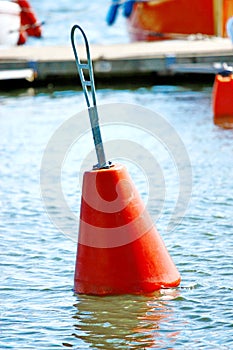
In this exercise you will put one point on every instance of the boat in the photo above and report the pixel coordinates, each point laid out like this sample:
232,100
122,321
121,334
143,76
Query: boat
9,23
173,19
17,22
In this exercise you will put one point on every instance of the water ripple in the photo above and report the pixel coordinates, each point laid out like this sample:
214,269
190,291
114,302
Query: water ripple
38,307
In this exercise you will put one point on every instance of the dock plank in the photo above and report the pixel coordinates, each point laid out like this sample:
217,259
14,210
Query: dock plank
118,60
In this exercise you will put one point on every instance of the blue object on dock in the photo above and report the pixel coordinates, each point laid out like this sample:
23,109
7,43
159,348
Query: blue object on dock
112,12
128,8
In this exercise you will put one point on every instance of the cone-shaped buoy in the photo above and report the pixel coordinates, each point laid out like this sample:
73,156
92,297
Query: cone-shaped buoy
119,249
223,97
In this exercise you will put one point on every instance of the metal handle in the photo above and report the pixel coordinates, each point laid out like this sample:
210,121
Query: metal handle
89,93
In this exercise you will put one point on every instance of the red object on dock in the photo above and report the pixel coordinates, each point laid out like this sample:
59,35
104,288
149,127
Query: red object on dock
119,248
29,23
223,100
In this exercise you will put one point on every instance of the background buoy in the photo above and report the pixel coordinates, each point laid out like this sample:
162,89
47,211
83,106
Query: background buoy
119,249
223,98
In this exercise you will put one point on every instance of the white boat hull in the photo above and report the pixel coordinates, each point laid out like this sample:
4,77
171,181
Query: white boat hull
9,23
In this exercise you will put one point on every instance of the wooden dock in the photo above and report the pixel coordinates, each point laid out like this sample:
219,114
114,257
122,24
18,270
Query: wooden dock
43,64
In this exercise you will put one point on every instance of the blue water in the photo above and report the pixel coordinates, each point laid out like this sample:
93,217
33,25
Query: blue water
59,17
38,309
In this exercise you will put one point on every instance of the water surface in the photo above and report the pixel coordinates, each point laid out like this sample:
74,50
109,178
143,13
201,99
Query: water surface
38,307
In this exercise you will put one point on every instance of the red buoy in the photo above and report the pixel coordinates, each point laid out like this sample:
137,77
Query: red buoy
223,99
119,249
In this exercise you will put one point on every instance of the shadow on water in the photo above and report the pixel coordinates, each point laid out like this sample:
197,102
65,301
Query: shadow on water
124,82
125,322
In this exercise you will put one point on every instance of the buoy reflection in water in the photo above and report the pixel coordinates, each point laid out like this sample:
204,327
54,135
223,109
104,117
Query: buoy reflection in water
125,322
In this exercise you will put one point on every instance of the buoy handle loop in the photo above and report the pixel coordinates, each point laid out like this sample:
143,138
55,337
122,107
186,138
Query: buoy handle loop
84,66
90,96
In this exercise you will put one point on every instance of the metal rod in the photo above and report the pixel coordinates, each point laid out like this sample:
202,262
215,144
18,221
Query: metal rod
90,97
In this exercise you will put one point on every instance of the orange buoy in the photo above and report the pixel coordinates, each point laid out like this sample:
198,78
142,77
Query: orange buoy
29,22
119,249
223,98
